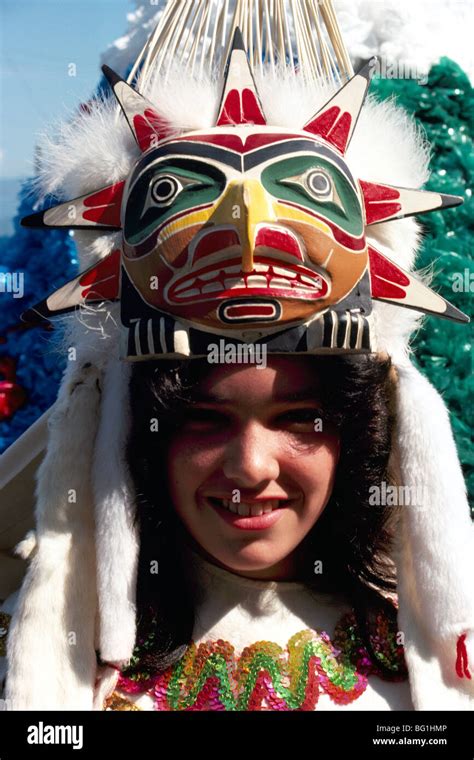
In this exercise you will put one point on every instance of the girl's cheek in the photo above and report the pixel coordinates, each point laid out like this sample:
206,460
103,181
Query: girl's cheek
317,468
313,451
186,454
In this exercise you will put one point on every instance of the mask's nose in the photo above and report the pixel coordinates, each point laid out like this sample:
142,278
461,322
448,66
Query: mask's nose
246,205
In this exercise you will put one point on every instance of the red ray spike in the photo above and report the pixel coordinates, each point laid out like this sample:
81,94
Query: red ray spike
334,126
386,202
336,121
100,209
240,103
103,207
391,283
147,126
101,282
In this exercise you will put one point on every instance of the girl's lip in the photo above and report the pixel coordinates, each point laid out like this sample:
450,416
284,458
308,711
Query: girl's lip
246,500
260,522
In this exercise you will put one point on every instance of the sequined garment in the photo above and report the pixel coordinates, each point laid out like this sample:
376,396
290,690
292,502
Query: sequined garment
210,676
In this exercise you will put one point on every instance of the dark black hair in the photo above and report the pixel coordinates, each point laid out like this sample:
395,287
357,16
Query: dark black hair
353,538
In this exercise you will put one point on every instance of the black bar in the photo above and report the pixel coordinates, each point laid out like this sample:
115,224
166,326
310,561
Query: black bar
152,734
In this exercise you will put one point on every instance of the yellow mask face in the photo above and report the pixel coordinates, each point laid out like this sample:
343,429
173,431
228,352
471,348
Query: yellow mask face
245,226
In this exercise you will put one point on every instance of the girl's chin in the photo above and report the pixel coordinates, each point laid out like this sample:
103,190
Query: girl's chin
257,564
254,557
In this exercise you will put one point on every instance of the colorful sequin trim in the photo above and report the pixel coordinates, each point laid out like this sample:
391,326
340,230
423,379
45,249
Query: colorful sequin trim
116,702
266,677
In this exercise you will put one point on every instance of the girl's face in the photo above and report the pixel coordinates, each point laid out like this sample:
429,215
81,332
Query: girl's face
253,465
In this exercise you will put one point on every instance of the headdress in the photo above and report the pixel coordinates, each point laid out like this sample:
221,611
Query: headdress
249,229
244,230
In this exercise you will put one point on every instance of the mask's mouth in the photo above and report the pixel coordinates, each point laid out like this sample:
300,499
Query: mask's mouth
271,277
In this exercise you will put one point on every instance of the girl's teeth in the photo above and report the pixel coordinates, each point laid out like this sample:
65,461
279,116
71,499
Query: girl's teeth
253,510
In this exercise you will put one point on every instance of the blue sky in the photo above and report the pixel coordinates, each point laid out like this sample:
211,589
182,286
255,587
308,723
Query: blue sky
38,41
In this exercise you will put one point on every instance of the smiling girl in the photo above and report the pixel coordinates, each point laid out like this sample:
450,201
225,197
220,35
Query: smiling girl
253,503
205,536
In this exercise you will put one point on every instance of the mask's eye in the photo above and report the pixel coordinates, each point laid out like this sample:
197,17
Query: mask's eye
317,183
320,184
165,189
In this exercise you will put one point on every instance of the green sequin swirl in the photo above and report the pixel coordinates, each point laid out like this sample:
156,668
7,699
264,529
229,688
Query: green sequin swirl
265,676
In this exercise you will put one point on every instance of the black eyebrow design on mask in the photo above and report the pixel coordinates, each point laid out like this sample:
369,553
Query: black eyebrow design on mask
296,146
248,161
195,150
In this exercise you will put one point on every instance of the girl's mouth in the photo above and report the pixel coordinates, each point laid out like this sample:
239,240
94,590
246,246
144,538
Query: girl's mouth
244,509
249,516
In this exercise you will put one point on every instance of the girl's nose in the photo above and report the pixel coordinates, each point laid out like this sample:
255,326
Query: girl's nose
251,456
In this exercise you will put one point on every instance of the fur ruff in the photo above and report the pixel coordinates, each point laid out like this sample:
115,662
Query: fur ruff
435,548
54,618
116,539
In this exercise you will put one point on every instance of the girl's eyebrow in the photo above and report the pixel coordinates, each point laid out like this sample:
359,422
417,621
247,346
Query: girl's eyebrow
306,394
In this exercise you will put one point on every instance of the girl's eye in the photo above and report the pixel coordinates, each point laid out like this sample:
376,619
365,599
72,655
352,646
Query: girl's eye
303,420
204,419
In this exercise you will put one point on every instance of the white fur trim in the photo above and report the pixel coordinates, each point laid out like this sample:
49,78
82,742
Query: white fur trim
47,667
105,685
116,538
25,548
436,547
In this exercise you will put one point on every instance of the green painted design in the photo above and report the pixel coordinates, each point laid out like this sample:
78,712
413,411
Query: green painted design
348,215
205,186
